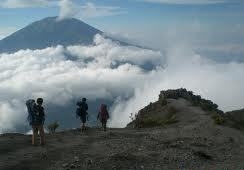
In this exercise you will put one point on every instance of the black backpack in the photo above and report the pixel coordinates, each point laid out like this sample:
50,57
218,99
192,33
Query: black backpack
81,109
78,111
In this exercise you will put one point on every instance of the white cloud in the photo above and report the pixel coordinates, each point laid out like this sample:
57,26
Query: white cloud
221,83
91,10
108,70
68,9
196,2
23,3
46,73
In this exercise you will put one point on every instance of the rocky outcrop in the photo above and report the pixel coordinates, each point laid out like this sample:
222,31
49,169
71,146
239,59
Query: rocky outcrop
237,117
197,100
164,111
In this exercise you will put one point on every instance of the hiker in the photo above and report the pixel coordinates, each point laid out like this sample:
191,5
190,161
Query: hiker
103,116
81,112
36,117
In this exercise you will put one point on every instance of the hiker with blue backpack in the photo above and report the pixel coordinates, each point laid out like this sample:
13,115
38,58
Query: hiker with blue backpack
103,116
81,112
36,118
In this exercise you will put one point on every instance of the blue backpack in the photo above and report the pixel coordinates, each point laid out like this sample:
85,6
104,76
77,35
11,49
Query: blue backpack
30,104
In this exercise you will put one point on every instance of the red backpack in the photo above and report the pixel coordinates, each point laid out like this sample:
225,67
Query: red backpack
103,112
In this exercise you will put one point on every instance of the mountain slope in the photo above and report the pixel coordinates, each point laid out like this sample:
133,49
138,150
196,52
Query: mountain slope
237,116
49,32
189,139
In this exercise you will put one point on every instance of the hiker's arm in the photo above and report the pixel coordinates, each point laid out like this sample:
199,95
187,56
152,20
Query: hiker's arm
43,111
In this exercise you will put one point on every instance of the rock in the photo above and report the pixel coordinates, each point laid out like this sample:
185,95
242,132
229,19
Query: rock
72,166
231,140
76,158
203,155
89,161
65,165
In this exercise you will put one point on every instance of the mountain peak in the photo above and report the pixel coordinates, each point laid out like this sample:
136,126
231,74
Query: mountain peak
49,32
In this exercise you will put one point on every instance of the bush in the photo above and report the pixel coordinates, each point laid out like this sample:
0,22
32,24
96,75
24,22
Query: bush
208,105
218,119
151,122
170,118
52,127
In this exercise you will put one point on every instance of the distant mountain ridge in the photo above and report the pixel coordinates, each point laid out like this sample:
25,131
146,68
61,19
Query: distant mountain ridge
50,32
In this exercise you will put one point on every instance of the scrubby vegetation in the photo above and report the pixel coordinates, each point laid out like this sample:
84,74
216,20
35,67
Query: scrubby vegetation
218,119
142,120
158,121
162,112
237,117
52,127
197,100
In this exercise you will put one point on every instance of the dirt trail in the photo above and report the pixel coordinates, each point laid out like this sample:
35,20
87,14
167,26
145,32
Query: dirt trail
122,149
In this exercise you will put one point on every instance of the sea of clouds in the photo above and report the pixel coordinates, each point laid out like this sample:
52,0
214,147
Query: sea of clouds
108,70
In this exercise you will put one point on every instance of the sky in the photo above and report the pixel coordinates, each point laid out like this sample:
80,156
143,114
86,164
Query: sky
195,44
210,26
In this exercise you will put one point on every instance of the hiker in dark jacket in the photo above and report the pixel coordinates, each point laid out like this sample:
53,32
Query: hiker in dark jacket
103,116
82,112
36,119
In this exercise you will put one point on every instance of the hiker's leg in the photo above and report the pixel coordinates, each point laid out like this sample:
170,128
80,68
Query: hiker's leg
102,126
34,135
105,125
82,127
42,135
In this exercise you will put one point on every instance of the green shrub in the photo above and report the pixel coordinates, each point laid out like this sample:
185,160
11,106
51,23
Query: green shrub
170,118
151,122
52,127
218,119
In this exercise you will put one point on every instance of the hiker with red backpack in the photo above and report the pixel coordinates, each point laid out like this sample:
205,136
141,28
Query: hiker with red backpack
81,112
103,116
36,118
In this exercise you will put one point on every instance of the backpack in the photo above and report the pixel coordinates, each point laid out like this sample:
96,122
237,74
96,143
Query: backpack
81,109
103,112
30,104
78,111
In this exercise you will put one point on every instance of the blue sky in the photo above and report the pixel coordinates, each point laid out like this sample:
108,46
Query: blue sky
200,23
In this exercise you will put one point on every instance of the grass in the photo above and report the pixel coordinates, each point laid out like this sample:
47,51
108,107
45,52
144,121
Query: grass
156,121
